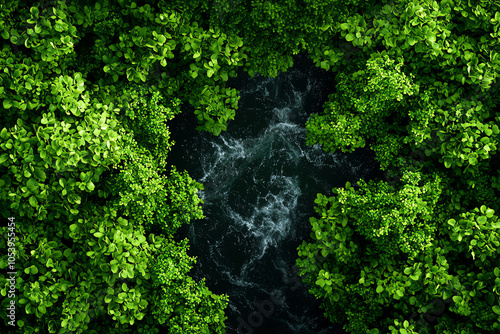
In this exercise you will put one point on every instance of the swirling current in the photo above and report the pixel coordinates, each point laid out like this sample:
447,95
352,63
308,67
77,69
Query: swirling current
260,181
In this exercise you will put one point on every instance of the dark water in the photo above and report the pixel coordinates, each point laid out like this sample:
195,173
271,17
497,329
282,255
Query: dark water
260,184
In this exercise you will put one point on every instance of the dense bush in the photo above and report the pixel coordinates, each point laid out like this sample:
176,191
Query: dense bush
87,95
384,253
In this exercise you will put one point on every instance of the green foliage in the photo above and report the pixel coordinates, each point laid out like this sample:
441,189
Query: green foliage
215,107
402,327
396,220
84,171
46,30
143,192
149,114
216,55
477,230
51,169
350,264
69,267
430,229
360,109
276,30
186,306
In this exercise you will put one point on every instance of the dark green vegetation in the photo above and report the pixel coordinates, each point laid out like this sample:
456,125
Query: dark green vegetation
87,91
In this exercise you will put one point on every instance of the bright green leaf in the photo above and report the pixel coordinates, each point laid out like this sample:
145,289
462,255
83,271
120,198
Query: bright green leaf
33,201
7,103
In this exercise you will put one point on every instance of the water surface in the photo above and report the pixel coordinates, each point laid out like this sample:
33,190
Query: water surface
260,184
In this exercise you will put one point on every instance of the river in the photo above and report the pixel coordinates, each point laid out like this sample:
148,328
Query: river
260,183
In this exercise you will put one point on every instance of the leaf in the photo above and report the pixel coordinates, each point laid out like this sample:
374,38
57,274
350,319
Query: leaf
33,201
496,309
130,271
98,235
344,26
42,309
349,37
3,134
412,41
431,37
446,294
7,103
40,174
4,157
380,288
415,277
482,220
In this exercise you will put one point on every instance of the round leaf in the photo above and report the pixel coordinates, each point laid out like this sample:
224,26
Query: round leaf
7,103
33,201
349,37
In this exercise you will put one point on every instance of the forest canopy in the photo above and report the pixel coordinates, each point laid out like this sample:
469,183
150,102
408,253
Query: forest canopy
93,204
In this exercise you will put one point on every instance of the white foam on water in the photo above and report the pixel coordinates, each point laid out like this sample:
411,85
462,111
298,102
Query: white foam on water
255,182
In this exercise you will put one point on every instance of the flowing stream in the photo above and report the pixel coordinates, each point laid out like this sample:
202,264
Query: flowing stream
260,184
